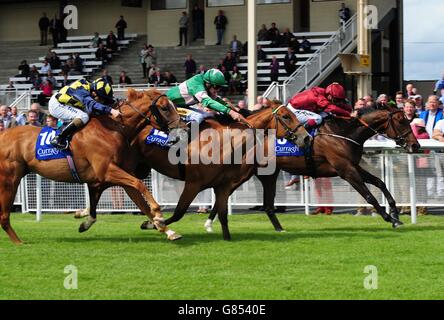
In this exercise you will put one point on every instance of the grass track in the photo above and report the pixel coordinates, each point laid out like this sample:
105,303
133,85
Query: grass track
320,257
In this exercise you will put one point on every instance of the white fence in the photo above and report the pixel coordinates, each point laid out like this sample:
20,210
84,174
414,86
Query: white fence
413,179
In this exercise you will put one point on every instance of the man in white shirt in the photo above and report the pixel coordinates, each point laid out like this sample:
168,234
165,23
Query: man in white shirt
45,68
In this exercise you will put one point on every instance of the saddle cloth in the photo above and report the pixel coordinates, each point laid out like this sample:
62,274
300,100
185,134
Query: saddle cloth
43,148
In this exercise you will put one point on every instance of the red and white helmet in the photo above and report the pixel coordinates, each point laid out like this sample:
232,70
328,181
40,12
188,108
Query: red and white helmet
336,91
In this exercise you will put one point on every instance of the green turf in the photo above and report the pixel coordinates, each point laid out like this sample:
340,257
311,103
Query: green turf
319,257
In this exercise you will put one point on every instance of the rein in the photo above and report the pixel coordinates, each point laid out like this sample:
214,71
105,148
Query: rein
290,134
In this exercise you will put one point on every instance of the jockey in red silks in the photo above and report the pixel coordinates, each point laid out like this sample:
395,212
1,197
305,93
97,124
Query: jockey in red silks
312,105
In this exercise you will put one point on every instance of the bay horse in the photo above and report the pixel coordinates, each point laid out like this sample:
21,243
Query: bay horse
101,154
337,151
223,178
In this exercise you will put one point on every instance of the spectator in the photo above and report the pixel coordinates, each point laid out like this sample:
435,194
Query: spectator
69,67
276,41
106,77
183,29
102,53
54,61
235,46
418,102
65,80
33,119
46,88
399,99
242,105
2,126
220,21
124,79
41,116
54,29
143,59
111,42
344,14
410,110
360,103
235,83
202,69
272,32
46,67
305,46
10,85
439,85
229,61
152,71
95,41
382,99
262,34
34,76
51,79
324,194
43,26
7,120
190,66
409,90
156,79
197,15
78,63
121,26
287,38
290,61
274,69
432,114
169,78
24,69
51,121
261,55
63,32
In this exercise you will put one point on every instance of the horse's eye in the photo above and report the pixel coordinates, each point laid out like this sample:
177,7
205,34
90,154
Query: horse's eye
287,117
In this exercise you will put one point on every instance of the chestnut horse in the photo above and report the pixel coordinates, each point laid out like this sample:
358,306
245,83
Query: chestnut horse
101,154
223,178
337,151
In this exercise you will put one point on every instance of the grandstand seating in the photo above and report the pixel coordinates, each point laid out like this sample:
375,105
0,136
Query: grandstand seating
317,40
75,44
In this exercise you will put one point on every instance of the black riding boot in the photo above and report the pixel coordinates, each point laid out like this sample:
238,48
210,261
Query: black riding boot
61,141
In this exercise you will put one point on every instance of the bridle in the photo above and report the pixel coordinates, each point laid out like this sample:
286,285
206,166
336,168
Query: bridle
290,134
153,111
400,137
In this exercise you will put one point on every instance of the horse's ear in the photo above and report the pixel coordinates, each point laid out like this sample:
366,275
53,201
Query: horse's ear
131,94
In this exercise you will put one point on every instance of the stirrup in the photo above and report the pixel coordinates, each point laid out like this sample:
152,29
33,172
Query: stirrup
61,145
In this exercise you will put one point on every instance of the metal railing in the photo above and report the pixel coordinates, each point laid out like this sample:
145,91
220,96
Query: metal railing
321,63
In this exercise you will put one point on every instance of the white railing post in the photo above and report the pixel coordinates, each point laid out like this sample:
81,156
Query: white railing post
411,165
38,189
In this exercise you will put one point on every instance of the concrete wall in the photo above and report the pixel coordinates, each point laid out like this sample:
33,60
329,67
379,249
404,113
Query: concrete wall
324,14
167,22
19,21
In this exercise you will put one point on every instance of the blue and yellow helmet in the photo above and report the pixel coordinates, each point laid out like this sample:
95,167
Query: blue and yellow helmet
103,89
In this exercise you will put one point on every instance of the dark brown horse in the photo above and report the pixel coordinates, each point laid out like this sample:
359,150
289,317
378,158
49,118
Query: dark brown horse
337,151
223,178
101,153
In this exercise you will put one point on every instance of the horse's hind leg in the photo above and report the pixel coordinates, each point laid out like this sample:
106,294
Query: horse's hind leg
7,195
269,187
369,178
221,206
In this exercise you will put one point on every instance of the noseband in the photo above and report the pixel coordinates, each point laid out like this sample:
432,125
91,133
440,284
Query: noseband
289,133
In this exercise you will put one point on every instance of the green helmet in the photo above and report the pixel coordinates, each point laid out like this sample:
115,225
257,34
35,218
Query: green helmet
215,77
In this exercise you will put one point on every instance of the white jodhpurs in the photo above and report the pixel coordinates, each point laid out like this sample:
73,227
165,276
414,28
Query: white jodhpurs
304,115
65,112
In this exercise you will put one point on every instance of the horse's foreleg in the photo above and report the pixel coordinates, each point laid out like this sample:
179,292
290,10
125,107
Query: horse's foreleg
7,195
189,192
269,187
369,178
95,191
209,223
352,175
117,176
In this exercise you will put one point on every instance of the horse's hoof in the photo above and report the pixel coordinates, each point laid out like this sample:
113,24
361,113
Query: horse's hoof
397,224
175,236
147,225
281,230
209,229
83,227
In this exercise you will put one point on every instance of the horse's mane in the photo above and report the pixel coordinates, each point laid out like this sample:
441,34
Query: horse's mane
365,110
